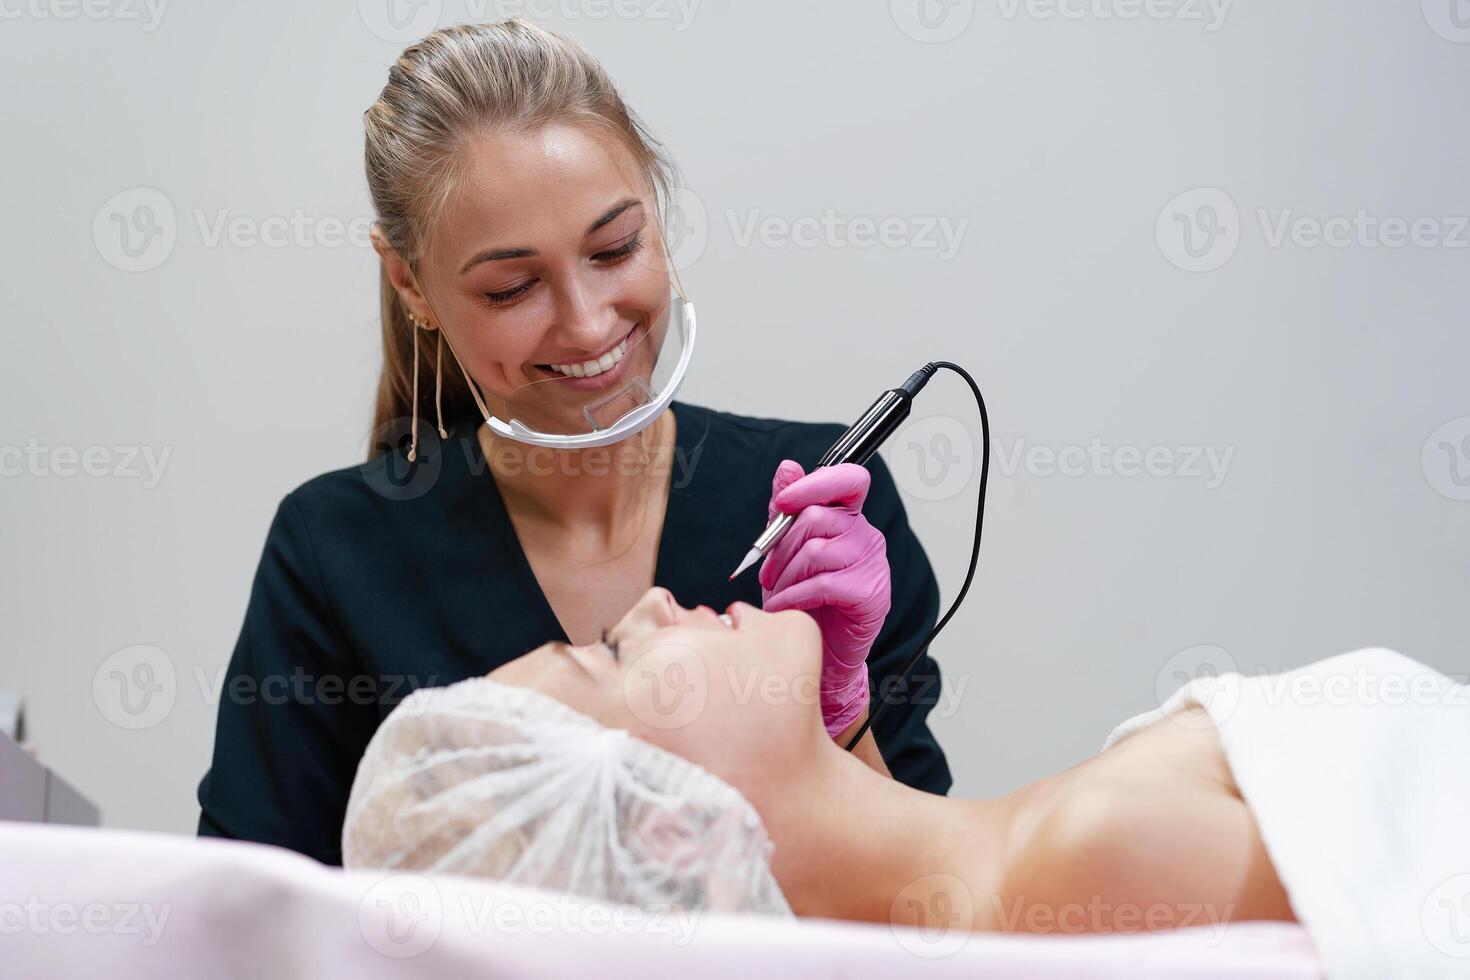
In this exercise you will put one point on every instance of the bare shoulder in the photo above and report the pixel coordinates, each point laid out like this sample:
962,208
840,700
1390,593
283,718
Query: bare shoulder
1184,747
1156,836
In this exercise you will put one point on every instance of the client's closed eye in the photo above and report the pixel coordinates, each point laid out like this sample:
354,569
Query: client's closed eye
610,643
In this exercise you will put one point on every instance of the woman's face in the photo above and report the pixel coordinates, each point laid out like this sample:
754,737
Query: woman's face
548,253
729,697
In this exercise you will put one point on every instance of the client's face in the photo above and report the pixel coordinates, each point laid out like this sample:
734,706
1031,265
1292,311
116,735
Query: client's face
731,698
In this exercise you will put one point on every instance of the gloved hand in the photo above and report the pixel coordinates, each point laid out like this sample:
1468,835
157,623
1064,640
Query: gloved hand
832,563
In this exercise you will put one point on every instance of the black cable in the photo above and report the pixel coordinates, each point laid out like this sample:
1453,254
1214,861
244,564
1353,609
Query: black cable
930,369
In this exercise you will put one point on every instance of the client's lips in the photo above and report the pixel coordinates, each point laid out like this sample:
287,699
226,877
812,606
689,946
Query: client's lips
725,620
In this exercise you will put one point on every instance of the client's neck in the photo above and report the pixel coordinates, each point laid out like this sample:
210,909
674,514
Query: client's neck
852,844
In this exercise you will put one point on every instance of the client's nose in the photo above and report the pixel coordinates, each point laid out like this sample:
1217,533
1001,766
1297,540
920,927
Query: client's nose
654,609
662,600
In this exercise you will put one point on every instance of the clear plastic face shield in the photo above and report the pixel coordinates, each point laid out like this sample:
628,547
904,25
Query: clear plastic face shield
604,396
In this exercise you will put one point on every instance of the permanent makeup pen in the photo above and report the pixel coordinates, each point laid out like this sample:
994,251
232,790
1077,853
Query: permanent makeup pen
856,445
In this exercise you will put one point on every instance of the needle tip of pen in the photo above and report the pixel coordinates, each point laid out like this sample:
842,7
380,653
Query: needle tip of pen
751,557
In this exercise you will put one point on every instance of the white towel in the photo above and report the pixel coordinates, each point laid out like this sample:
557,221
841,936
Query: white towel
1357,769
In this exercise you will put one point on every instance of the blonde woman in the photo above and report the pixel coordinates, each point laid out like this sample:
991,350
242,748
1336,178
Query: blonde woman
526,279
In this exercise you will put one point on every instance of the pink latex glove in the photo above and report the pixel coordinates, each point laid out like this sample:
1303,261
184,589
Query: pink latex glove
832,563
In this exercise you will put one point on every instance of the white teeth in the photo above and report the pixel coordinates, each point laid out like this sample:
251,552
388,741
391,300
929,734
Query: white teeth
589,369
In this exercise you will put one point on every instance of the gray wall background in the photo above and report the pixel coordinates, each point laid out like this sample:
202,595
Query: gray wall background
1066,148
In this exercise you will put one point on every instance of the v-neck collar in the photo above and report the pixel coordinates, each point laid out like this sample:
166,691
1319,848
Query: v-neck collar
486,500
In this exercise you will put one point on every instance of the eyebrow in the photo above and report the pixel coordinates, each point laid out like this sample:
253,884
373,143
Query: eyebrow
494,254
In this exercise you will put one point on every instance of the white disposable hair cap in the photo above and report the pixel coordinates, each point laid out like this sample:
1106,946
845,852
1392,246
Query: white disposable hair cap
485,778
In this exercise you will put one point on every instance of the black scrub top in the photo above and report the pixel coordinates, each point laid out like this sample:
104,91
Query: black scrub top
385,577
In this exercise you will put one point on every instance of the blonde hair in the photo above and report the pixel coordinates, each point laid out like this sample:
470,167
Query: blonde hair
443,91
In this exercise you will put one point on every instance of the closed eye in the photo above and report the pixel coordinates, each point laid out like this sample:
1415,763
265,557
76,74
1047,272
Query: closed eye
622,251
614,255
612,645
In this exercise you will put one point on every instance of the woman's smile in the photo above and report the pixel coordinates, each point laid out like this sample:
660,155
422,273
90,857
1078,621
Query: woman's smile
610,366
597,363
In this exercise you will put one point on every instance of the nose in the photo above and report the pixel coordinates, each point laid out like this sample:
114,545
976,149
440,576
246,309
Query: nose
664,605
586,322
655,608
